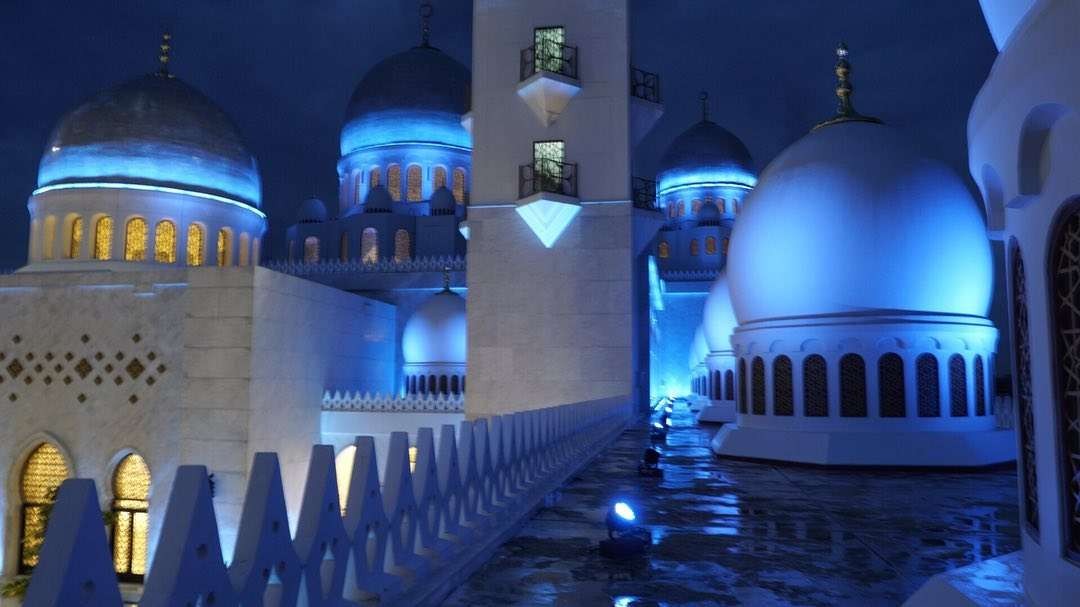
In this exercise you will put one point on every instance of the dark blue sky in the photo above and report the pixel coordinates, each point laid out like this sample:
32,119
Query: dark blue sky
284,70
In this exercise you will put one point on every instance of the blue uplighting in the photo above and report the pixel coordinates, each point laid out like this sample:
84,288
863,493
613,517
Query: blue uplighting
394,127
148,188
624,511
676,180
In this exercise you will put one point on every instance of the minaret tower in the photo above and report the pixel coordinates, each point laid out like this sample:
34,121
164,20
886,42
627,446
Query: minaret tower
552,264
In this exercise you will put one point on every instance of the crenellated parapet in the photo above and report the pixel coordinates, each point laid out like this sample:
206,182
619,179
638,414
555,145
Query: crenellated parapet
334,266
380,403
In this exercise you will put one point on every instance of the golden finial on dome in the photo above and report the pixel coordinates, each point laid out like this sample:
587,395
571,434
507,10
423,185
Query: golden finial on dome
163,56
845,109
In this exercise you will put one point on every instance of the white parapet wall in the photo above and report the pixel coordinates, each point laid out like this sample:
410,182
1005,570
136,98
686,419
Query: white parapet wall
406,537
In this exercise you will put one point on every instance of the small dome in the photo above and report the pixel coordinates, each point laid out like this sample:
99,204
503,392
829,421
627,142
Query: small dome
435,334
153,130
699,350
442,202
378,200
851,218
709,215
312,210
706,153
418,95
719,316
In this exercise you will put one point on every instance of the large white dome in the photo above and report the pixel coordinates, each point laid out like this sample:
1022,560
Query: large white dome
436,332
850,219
719,317
699,350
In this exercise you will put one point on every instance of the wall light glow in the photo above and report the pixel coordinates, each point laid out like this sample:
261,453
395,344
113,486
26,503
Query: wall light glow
147,188
675,180
548,219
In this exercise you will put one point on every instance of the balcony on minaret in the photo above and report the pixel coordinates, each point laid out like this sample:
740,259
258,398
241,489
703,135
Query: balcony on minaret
548,196
549,74
646,105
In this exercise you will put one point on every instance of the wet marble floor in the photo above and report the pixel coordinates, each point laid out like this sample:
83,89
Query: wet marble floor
741,533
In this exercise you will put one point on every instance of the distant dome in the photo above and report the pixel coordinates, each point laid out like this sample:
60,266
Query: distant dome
418,95
705,154
378,200
442,200
153,130
436,331
851,218
699,350
719,317
312,210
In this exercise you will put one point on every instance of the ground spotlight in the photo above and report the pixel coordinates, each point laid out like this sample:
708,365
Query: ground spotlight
650,463
657,431
668,410
625,537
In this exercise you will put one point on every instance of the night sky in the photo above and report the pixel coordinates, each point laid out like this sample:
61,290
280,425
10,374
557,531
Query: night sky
285,73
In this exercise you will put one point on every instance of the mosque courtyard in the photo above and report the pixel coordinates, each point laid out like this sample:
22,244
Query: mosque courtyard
728,532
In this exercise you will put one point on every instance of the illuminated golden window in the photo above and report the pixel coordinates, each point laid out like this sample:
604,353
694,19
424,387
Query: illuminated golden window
311,250
196,245
224,247
165,242
412,458
402,245
135,239
343,247
710,245
720,205
75,239
414,178
393,182
694,249
369,246
131,529
440,178
695,206
664,250
50,236
41,476
103,238
459,185
373,180
343,465
724,246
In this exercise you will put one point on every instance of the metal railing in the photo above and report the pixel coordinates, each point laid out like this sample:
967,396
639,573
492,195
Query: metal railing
552,57
644,85
546,175
644,193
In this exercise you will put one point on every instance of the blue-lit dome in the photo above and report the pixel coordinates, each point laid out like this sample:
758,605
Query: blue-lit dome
378,201
436,332
312,210
418,95
851,218
153,130
699,349
706,154
718,318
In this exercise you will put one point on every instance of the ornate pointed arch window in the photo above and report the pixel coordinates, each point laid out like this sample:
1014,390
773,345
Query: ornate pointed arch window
224,247
49,238
439,180
103,238
374,178
196,245
414,183
958,400
393,181
742,385
165,242
757,368
891,385
402,245
928,385
695,249
135,239
369,245
459,189
815,387
710,245
75,238
41,476
663,251
852,386
1024,406
130,508
311,250
783,387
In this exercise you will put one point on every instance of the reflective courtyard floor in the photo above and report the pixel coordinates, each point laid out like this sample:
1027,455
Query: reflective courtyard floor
742,533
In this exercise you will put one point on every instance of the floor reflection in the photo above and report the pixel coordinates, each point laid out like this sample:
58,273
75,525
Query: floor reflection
742,533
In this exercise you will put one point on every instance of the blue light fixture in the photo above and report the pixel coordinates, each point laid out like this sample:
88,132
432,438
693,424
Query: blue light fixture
625,537
548,217
625,512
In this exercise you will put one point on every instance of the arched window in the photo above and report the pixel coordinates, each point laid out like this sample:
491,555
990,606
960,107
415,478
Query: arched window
717,386
1065,335
373,179
414,182
815,387
891,392
245,242
42,474
311,250
664,250
196,245
454,387
49,239
444,384
75,238
958,405
724,245
224,247
343,465
402,245
729,385
694,248
343,247
695,206
165,242
135,239
103,238
393,182
852,386
432,383
742,385
439,180
131,528
459,185
710,245
758,370
720,206
369,245
980,387
256,251
926,376
783,387
423,384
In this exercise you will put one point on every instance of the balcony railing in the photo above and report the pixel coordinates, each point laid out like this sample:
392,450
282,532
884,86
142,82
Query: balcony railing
644,193
555,58
546,175
644,85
